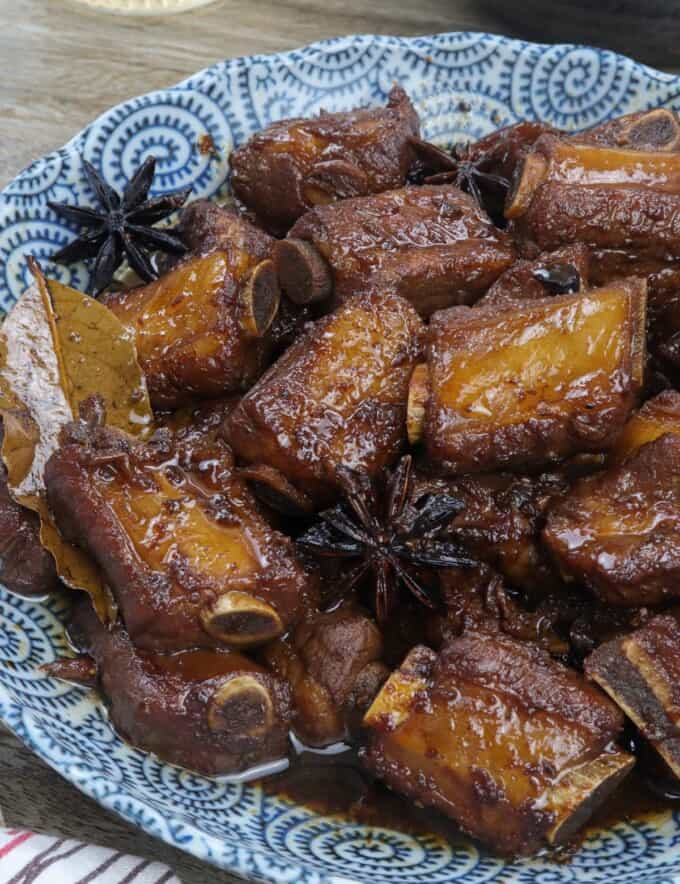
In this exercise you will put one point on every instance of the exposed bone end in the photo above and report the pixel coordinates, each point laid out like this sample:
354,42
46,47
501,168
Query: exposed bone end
303,273
635,672
243,706
272,488
657,130
581,791
637,289
418,394
259,299
533,171
239,619
81,670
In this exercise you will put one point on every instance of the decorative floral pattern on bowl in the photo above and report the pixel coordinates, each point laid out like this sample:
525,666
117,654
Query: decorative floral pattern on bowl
464,85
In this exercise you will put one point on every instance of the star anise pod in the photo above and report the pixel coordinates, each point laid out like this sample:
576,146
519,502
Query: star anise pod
388,535
122,226
463,167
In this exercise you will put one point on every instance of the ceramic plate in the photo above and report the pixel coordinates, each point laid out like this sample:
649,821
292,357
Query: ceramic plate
463,85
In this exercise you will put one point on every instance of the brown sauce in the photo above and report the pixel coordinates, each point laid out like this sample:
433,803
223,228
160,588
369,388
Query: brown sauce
337,785
200,665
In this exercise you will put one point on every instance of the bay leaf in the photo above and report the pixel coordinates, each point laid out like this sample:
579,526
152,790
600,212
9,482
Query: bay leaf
57,348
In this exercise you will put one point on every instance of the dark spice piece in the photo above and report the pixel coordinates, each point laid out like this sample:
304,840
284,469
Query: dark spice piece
559,279
121,226
462,167
388,535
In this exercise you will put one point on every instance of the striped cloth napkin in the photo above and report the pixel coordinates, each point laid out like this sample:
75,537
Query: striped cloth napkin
30,858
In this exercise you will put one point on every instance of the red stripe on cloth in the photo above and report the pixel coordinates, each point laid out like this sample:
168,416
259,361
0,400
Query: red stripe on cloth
15,842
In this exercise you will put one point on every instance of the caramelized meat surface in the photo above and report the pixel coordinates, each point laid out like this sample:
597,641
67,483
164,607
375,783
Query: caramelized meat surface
565,621
500,520
622,203
337,397
294,165
641,673
432,245
205,227
200,330
618,532
178,539
215,712
543,380
515,747
562,272
657,416
333,663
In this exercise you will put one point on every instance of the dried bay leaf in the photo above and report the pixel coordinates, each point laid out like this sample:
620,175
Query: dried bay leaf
57,348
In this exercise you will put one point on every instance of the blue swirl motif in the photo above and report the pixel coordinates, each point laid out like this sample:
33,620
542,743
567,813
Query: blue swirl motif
464,85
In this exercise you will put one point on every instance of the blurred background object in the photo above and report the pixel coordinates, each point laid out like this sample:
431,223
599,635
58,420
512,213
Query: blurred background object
145,7
647,30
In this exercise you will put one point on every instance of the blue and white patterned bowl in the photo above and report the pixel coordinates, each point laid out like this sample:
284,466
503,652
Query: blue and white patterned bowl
464,85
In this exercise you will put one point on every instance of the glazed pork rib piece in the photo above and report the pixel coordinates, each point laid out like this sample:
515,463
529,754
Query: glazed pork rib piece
657,416
432,245
215,712
178,539
529,384
205,226
201,329
618,532
333,663
518,749
623,203
641,673
294,165
337,397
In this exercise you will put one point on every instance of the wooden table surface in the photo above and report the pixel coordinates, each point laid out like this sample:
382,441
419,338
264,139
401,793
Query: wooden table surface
62,66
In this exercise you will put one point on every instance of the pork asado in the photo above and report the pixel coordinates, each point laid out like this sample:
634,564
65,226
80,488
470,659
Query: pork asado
413,480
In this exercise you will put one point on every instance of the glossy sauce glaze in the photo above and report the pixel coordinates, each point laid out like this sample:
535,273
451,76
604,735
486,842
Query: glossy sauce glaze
337,785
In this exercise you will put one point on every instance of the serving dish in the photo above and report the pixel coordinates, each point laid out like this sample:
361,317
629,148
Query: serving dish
463,86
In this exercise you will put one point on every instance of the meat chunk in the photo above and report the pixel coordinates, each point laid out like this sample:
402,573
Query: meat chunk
294,165
532,384
200,330
178,539
26,567
432,245
215,712
205,227
618,532
200,423
562,272
653,130
337,396
622,203
657,416
501,519
641,673
333,663
515,747
563,620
